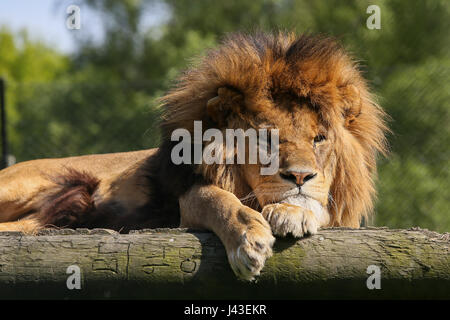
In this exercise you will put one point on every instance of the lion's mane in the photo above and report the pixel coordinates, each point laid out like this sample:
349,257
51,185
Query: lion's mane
314,67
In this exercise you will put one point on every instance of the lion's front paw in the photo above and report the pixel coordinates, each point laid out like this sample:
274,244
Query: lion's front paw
249,253
287,218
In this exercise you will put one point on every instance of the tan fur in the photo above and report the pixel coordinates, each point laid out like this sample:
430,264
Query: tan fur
320,71
23,186
330,131
249,85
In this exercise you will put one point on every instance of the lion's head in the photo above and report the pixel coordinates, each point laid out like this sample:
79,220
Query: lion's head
307,87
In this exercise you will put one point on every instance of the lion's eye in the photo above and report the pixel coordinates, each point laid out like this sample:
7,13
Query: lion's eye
319,138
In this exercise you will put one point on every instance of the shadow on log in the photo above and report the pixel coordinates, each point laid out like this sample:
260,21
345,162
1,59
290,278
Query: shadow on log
184,264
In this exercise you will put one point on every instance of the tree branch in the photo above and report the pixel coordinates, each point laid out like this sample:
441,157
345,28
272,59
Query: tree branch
173,264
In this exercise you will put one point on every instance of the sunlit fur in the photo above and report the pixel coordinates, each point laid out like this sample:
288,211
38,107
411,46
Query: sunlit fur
325,87
303,86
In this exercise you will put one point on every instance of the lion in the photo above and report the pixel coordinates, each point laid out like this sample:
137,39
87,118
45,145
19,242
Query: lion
307,87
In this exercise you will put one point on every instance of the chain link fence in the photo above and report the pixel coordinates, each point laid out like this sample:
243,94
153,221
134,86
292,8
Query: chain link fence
48,120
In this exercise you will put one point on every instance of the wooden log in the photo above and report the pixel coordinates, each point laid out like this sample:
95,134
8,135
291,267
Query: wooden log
183,264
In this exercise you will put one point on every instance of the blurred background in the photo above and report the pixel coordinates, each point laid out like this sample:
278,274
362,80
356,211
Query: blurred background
93,89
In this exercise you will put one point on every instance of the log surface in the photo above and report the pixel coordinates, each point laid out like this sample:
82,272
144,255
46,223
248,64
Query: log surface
184,264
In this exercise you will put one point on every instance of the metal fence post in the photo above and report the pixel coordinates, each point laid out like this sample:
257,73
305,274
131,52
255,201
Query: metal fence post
4,161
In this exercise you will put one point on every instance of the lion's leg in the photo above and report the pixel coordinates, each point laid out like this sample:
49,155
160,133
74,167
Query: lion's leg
29,225
245,234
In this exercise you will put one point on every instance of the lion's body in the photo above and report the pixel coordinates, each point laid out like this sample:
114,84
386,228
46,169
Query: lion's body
24,185
306,87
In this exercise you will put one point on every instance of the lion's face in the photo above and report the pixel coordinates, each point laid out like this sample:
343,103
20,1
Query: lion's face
306,156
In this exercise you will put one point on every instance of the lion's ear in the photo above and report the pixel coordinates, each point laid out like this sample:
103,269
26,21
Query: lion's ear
227,100
213,108
353,105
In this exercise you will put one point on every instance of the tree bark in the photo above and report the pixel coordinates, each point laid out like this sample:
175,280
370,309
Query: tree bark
183,264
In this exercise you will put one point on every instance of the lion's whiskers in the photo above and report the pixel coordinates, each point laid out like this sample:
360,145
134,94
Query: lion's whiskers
331,201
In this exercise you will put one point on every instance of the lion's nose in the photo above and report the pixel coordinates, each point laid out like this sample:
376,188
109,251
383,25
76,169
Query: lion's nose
299,178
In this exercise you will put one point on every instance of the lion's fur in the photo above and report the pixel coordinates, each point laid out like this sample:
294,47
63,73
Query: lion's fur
308,66
330,132
143,189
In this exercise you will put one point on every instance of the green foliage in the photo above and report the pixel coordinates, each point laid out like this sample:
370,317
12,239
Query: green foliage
414,181
102,99
23,62
86,117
